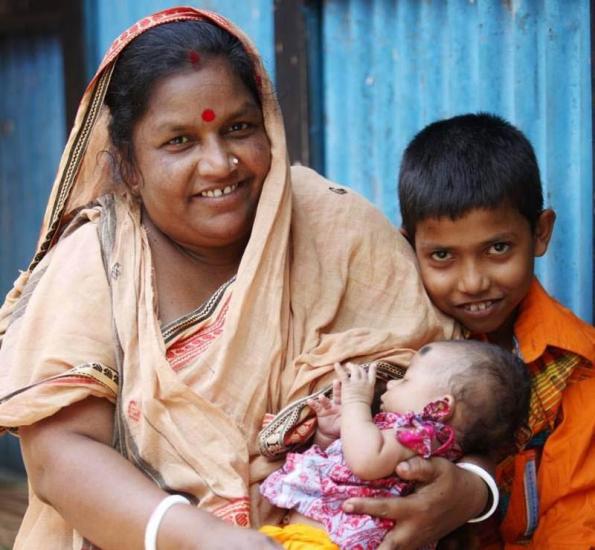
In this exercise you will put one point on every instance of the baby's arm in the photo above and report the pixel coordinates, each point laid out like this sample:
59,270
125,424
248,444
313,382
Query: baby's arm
371,453
328,416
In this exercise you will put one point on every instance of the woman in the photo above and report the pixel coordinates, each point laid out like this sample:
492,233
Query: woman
186,283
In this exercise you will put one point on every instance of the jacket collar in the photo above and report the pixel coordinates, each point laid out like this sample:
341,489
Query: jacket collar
542,322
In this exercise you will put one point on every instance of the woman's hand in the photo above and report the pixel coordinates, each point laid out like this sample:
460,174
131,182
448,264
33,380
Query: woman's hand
445,498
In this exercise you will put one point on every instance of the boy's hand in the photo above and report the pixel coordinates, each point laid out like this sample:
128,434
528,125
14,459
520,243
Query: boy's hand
357,385
328,413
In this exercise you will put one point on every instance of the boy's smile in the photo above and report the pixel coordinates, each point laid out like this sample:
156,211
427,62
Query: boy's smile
479,267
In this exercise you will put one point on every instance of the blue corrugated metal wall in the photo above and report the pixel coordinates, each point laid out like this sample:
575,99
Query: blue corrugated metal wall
390,67
108,18
31,136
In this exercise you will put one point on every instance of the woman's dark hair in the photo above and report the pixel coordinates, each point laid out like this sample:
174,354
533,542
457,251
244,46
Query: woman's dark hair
167,49
494,388
469,161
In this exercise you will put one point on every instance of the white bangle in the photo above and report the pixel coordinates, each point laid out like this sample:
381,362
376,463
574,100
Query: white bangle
489,481
156,517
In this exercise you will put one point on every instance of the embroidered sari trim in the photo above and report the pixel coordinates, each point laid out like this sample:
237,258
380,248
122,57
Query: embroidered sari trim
91,374
172,331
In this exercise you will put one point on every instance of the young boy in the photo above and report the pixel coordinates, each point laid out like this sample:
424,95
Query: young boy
472,206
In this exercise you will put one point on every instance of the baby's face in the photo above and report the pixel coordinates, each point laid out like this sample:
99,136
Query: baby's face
423,382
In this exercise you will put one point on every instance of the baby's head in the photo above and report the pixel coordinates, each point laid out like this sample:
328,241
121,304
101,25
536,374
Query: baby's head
487,388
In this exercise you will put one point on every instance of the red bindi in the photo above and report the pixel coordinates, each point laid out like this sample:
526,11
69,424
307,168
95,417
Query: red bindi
193,57
208,115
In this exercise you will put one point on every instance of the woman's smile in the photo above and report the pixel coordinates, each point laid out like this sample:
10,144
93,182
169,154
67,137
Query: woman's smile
219,192
223,198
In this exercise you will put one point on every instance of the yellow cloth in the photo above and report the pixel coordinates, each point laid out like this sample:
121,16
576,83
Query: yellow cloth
299,536
324,278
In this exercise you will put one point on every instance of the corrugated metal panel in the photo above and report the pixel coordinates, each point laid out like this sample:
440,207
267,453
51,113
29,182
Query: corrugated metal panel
31,139
108,18
31,135
391,67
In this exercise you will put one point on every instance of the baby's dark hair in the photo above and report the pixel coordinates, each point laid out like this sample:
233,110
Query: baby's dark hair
466,162
493,388
165,50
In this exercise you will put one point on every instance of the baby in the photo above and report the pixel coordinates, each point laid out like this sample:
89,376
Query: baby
457,397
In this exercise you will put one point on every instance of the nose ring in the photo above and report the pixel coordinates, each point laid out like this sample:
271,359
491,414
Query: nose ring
234,161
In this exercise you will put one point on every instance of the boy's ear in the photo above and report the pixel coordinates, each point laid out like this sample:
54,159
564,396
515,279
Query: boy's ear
543,231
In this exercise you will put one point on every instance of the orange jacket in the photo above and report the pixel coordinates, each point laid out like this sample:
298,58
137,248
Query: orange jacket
566,470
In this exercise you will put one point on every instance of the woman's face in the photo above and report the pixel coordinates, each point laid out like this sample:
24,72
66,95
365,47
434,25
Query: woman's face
186,145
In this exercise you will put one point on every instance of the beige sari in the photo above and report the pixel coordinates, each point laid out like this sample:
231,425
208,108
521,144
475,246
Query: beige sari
324,278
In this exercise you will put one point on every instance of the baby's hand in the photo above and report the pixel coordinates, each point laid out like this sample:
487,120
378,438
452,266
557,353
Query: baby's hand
328,412
357,385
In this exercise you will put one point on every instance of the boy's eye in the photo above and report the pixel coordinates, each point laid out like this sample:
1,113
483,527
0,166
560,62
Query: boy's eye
499,248
440,255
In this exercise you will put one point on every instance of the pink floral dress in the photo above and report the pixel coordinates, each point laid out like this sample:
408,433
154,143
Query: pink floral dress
317,482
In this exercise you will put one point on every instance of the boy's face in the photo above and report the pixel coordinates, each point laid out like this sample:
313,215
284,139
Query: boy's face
479,267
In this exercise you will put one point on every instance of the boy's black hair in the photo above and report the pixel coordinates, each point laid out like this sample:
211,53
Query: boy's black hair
494,390
469,161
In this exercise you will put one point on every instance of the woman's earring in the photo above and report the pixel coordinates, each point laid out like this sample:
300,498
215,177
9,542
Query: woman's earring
234,161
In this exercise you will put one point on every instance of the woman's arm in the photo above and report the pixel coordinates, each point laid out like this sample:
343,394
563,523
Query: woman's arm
72,467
